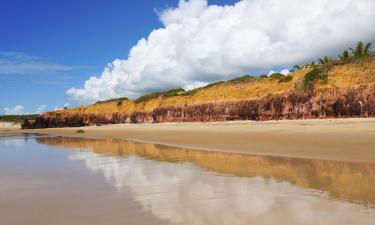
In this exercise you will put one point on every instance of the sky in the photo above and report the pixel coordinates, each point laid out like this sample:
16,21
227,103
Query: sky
75,52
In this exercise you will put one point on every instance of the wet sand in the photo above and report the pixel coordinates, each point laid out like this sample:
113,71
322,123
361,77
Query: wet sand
50,180
339,139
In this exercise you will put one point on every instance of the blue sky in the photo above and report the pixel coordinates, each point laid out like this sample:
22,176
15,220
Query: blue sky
71,40
78,51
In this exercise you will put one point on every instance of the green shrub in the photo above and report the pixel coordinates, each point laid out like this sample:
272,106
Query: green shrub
277,76
241,79
319,73
165,94
173,92
148,97
191,92
17,118
112,100
263,76
286,79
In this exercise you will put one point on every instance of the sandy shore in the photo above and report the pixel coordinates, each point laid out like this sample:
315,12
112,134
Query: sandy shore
340,139
6,127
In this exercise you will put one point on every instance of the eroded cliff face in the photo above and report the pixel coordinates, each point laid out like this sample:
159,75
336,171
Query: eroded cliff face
327,103
348,92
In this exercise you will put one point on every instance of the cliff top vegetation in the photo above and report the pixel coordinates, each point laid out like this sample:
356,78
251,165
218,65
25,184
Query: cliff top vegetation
17,118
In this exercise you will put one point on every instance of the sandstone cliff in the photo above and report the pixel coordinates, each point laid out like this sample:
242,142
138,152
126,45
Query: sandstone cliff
345,89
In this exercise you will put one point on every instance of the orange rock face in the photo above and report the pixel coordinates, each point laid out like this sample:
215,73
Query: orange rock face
348,92
326,103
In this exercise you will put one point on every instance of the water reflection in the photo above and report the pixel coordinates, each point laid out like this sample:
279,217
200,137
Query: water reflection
200,187
15,140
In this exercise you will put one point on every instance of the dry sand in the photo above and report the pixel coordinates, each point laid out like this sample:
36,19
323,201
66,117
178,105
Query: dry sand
6,127
339,139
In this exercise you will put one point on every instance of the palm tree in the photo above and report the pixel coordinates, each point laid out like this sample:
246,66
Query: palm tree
325,60
367,50
344,55
361,50
357,52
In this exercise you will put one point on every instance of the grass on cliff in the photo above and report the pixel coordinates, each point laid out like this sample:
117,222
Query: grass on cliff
194,91
281,77
112,100
164,94
319,73
241,79
182,92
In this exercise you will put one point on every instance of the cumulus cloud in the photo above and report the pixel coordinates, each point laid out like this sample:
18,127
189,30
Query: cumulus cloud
61,107
283,71
20,110
41,109
201,43
16,110
183,192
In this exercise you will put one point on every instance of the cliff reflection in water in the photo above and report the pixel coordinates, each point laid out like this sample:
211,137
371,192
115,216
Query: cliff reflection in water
353,182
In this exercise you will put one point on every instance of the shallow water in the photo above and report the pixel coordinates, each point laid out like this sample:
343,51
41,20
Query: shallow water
55,180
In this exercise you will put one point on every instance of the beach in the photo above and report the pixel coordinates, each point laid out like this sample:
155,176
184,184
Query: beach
336,139
5,125
88,181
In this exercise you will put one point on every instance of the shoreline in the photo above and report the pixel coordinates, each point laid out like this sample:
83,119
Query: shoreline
328,139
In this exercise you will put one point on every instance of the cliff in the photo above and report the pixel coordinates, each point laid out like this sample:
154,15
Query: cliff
333,90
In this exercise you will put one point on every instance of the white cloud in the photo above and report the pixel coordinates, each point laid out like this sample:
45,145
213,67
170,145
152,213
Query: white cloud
16,110
182,192
202,43
15,141
60,107
284,71
20,110
20,63
41,109
195,84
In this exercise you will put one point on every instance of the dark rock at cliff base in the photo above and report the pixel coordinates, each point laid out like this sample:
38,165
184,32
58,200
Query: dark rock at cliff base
26,124
58,120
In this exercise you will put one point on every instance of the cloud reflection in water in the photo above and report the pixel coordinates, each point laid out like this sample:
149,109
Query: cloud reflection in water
186,191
